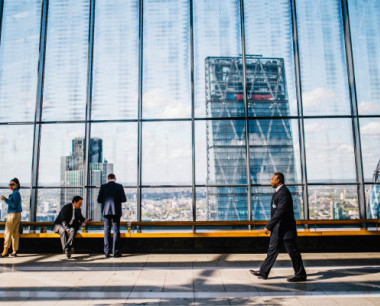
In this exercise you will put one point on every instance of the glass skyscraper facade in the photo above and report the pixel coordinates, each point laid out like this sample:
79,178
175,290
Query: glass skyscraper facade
270,141
142,81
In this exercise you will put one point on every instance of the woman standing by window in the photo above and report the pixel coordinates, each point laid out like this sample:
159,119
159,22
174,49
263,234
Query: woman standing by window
13,218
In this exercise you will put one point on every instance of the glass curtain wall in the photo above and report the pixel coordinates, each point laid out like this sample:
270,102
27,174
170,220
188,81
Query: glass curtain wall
193,104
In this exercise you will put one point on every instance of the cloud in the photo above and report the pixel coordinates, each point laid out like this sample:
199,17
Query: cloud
161,104
369,107
372,128
345,148
317,96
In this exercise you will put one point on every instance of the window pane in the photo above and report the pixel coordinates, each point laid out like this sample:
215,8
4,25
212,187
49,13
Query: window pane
62,155
322,58
333,202
166,59
50,201
365,33
20,38
25,203
115,74
66,60
269,52
373,197
16,152
118,144
224,149
166,153
216,34
166,204
222,204
274,147
262,200
329,150
370,140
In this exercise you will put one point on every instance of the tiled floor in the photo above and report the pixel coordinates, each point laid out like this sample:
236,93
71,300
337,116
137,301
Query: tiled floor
203,279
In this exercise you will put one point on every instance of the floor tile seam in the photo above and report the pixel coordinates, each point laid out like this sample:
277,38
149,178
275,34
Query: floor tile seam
136,279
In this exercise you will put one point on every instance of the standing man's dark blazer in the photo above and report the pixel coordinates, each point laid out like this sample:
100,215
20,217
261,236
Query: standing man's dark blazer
65,216
111,195
282,223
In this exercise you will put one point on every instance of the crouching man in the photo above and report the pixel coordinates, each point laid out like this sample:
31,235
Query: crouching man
69,220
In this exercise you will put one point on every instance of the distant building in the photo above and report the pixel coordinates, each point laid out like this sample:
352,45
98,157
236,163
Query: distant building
270,140
374,197
72,173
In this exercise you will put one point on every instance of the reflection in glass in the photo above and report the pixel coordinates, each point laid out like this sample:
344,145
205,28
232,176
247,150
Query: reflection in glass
25,203
322,58
333,202
166,204
365,33
222,204
50,202
115,74
370,141
329,150
65,80
166,153
268,37
16,151
373,196
262,200
20,38
216,33
166,59
62,155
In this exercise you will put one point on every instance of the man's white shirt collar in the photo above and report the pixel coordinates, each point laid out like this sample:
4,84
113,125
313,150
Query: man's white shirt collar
278,188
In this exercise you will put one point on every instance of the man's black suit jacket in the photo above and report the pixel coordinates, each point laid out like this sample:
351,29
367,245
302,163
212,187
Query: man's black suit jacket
111,195
282,223
65,216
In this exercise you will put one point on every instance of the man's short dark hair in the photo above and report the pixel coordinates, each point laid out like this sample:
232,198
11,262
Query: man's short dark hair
76,199
111,176
280,177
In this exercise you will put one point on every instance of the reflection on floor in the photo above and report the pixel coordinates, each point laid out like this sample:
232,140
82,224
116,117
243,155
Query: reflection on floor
201,279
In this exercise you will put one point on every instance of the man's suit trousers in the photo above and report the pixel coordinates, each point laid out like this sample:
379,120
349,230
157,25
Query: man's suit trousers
273,250
66,240
107,234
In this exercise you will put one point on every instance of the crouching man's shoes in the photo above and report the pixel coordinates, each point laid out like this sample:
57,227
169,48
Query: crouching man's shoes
259,274
296,278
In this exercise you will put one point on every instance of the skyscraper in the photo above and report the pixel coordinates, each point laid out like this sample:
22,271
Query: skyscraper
270,140
374,197
72,172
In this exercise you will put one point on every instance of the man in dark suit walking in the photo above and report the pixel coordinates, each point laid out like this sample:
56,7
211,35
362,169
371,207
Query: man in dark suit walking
68,222
282,226
111,195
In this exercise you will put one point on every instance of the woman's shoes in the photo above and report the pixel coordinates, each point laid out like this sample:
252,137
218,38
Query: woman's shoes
14,254
4,255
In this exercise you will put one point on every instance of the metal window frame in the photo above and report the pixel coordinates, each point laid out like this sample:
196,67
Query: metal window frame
354,109
38,112
90,62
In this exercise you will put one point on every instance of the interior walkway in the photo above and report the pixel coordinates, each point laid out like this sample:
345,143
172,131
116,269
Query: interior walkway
203,279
